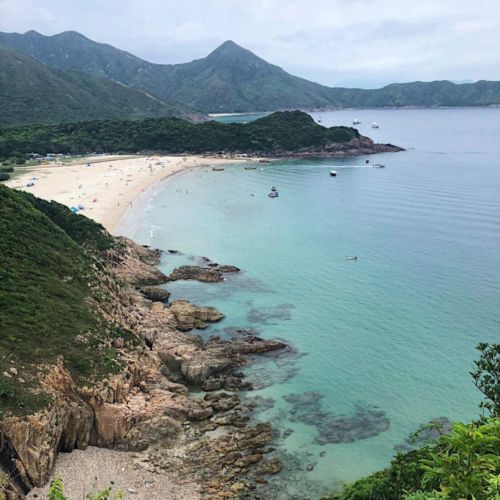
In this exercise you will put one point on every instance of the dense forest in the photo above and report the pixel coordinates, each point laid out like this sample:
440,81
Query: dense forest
279,132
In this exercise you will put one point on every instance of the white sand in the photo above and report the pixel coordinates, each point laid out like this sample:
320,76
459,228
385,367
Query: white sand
96,469
109,186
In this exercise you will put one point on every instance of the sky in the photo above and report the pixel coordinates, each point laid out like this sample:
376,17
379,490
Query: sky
363,43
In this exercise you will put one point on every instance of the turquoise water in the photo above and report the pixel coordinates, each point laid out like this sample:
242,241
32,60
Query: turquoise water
394,330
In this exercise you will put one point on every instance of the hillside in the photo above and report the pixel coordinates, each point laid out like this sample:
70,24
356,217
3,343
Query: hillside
32,92
47,297
280,133
233,79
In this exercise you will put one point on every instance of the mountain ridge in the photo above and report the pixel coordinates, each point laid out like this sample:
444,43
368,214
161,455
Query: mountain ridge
233,79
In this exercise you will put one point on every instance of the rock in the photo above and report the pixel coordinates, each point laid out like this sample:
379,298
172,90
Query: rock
173,251
189,316
310,467
287,433
13,370
252,344
229,269
155,293
204,274
212,384
271,466
8,375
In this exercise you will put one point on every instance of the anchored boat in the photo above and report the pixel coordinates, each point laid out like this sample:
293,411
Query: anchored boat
333,173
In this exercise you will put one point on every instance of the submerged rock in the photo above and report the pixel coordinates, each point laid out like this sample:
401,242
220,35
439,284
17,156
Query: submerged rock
265,315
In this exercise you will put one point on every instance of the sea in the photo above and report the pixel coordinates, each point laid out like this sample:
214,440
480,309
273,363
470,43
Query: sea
381,344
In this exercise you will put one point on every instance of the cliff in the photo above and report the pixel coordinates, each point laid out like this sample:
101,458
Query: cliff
88,359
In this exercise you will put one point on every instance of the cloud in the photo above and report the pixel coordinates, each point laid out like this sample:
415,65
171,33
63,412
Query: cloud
363,41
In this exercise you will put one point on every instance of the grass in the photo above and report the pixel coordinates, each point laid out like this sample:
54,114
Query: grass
49,298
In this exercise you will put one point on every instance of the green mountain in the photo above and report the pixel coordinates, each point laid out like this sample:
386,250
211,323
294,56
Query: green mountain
233,79
32,92
281,133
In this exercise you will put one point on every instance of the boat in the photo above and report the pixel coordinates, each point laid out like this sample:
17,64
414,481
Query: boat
356,121
375,125
351,257
250,168
333,173
320,120
217,169
273,194
264,161
379,165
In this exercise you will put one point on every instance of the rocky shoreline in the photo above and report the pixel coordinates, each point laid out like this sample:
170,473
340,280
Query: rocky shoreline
149,407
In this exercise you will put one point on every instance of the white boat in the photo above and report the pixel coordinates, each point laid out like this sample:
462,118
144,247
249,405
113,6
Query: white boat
375,125
333,173
356,121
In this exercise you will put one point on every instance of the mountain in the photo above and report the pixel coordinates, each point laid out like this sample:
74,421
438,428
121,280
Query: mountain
32,92
233,79
420,94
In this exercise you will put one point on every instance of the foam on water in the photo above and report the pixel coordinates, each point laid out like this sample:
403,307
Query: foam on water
386,341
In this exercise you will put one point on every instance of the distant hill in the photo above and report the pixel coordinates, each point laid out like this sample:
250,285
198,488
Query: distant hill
32,92
233,79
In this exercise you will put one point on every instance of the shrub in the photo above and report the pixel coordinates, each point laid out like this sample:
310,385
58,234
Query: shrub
4,177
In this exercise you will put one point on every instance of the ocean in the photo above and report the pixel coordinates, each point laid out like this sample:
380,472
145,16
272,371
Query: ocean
382,344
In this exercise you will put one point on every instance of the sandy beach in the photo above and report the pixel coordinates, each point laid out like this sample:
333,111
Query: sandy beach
105,186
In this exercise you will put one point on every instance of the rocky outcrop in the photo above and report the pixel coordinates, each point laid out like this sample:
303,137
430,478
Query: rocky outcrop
210,273
147,406
205,274
155,293
189,316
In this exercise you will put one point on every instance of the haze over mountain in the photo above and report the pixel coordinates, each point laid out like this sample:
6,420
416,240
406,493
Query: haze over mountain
233,79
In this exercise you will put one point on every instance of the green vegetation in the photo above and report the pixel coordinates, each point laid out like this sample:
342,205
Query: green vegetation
32,92
4,177
282,131
49,299
233,79
56,492
462,465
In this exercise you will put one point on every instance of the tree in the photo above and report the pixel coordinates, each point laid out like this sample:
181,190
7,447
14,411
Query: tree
486,377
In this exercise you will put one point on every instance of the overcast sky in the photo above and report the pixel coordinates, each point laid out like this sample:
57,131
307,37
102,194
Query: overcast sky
336,42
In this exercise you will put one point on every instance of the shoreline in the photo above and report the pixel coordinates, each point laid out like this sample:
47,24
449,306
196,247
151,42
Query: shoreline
107,187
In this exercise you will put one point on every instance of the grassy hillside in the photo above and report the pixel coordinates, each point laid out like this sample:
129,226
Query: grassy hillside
232,79
48,299
32,92
282,131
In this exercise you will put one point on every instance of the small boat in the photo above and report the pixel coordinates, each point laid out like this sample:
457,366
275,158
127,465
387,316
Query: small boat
375,125
250,168
273,189
273,194
353,257
356,121
333,173
264,161
379,165
320,120
217,169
